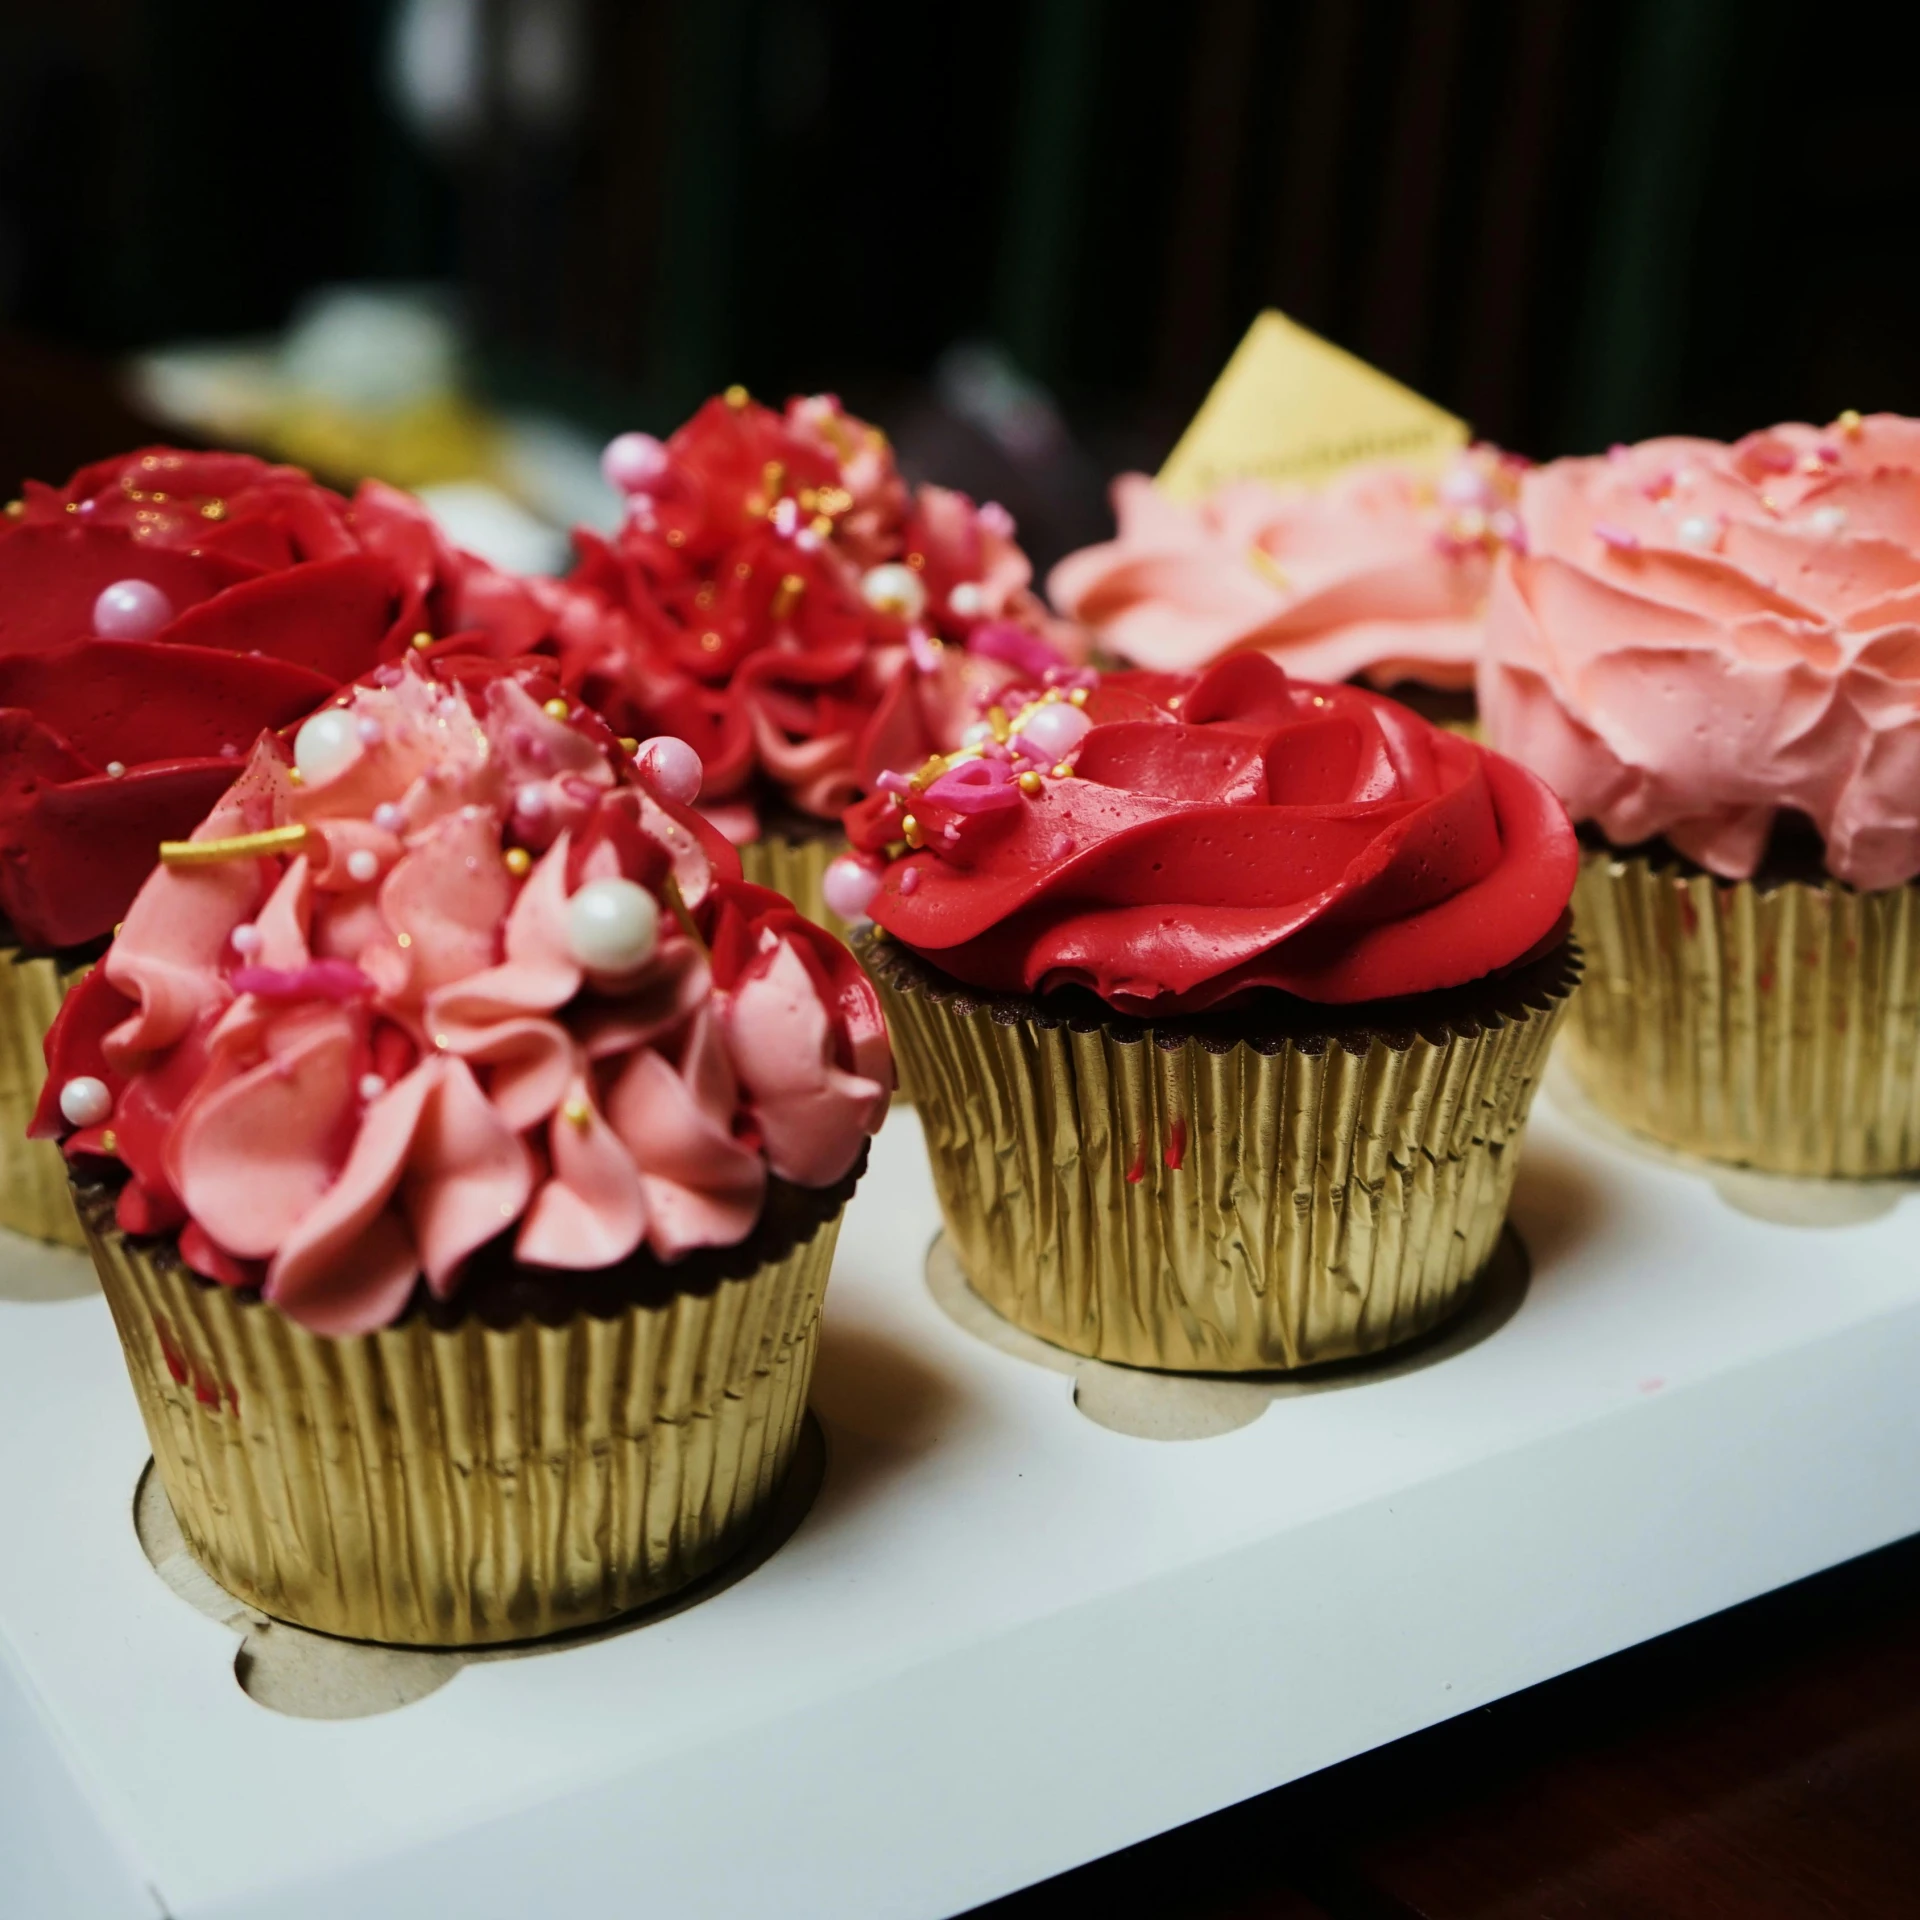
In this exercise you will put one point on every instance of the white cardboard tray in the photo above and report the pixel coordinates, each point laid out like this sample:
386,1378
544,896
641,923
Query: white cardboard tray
1005,1639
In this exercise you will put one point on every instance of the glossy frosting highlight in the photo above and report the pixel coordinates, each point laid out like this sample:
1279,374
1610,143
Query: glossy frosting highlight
1208,838
340,1067
1703,635
1383,574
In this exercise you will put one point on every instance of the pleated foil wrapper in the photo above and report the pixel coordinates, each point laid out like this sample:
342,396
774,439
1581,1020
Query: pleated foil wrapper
469,1485
1200,1203
33,1176
797,868
1774,1027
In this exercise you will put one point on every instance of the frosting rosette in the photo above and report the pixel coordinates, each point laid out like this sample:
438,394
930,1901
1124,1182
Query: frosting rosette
1381,575
1703,636
160,610
782,601
1181,843
446,970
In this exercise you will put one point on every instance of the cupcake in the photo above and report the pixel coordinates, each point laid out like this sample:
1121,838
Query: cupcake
155,614
1223,999
787,607
462,1145
1380,577
1712,653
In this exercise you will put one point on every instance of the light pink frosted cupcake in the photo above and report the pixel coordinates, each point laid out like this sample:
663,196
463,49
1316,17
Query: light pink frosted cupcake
1381,576
1713,654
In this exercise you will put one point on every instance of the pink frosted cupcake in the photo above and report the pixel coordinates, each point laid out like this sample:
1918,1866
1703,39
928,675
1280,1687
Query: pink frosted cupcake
1713,654
462,1147
1381,576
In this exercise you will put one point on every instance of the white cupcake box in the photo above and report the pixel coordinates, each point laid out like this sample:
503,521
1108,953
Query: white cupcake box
1011,1633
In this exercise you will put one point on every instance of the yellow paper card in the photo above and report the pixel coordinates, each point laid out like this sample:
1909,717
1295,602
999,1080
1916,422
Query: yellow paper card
1292,407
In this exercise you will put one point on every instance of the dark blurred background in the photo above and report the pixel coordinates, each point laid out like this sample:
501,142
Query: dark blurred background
1022,236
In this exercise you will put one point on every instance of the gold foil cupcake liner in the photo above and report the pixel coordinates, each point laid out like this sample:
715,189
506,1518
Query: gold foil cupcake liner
463,1486
797,868
1774,1027
1162,1200
33,1176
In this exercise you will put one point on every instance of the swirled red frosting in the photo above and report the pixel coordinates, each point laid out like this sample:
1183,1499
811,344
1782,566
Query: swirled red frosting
782,602
266,592
1211,838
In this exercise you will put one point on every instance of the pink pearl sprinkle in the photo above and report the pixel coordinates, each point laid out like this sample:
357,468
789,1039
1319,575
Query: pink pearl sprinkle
131,610
670,767
246,938
632,462
369,730
1056,729
848,887
910,880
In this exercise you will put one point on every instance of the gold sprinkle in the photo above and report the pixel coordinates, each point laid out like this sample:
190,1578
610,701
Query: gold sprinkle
1063,771
404,939
710,642
15,508
556,708
441,1041
628,744
1078,697
240,846
211,509
117,925
935,766
677,903
1174,705
808,499
675,538
772,474
295,778
578,1113
704,598
422,641
735,397
519,861
910,829
1849,421
109,1142
917,561
792,586
820,525
743,569
997,720
1028,783
1051,697
73,506
834,499
1267,567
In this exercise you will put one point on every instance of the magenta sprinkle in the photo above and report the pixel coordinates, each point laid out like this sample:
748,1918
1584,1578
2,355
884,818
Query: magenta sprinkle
976,786
922,651
1002,640
317,980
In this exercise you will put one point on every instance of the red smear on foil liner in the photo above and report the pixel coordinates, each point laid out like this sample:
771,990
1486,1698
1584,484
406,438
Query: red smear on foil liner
1176,1147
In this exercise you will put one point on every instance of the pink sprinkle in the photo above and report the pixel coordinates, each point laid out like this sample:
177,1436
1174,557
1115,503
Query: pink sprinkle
891,782
1002,640
1617,538
317,980
995,519
1060,846
921,650
910,880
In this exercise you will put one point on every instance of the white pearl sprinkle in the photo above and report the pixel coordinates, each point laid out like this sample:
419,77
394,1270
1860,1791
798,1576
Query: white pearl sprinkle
115,768
967,599
363,864
85,1101
894,589
246,939
388,818
1696,530
371,1086
131,610
326,745
1827,521
613,926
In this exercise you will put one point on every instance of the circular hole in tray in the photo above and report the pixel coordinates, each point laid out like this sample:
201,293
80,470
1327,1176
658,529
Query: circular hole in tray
312,1676
1147,1405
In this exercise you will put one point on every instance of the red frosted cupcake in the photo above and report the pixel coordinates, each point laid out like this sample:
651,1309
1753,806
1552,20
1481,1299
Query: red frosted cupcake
462,1146
799,617
1223,1001
156,614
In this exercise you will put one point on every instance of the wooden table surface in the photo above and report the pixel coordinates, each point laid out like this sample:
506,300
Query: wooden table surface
1760,1765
